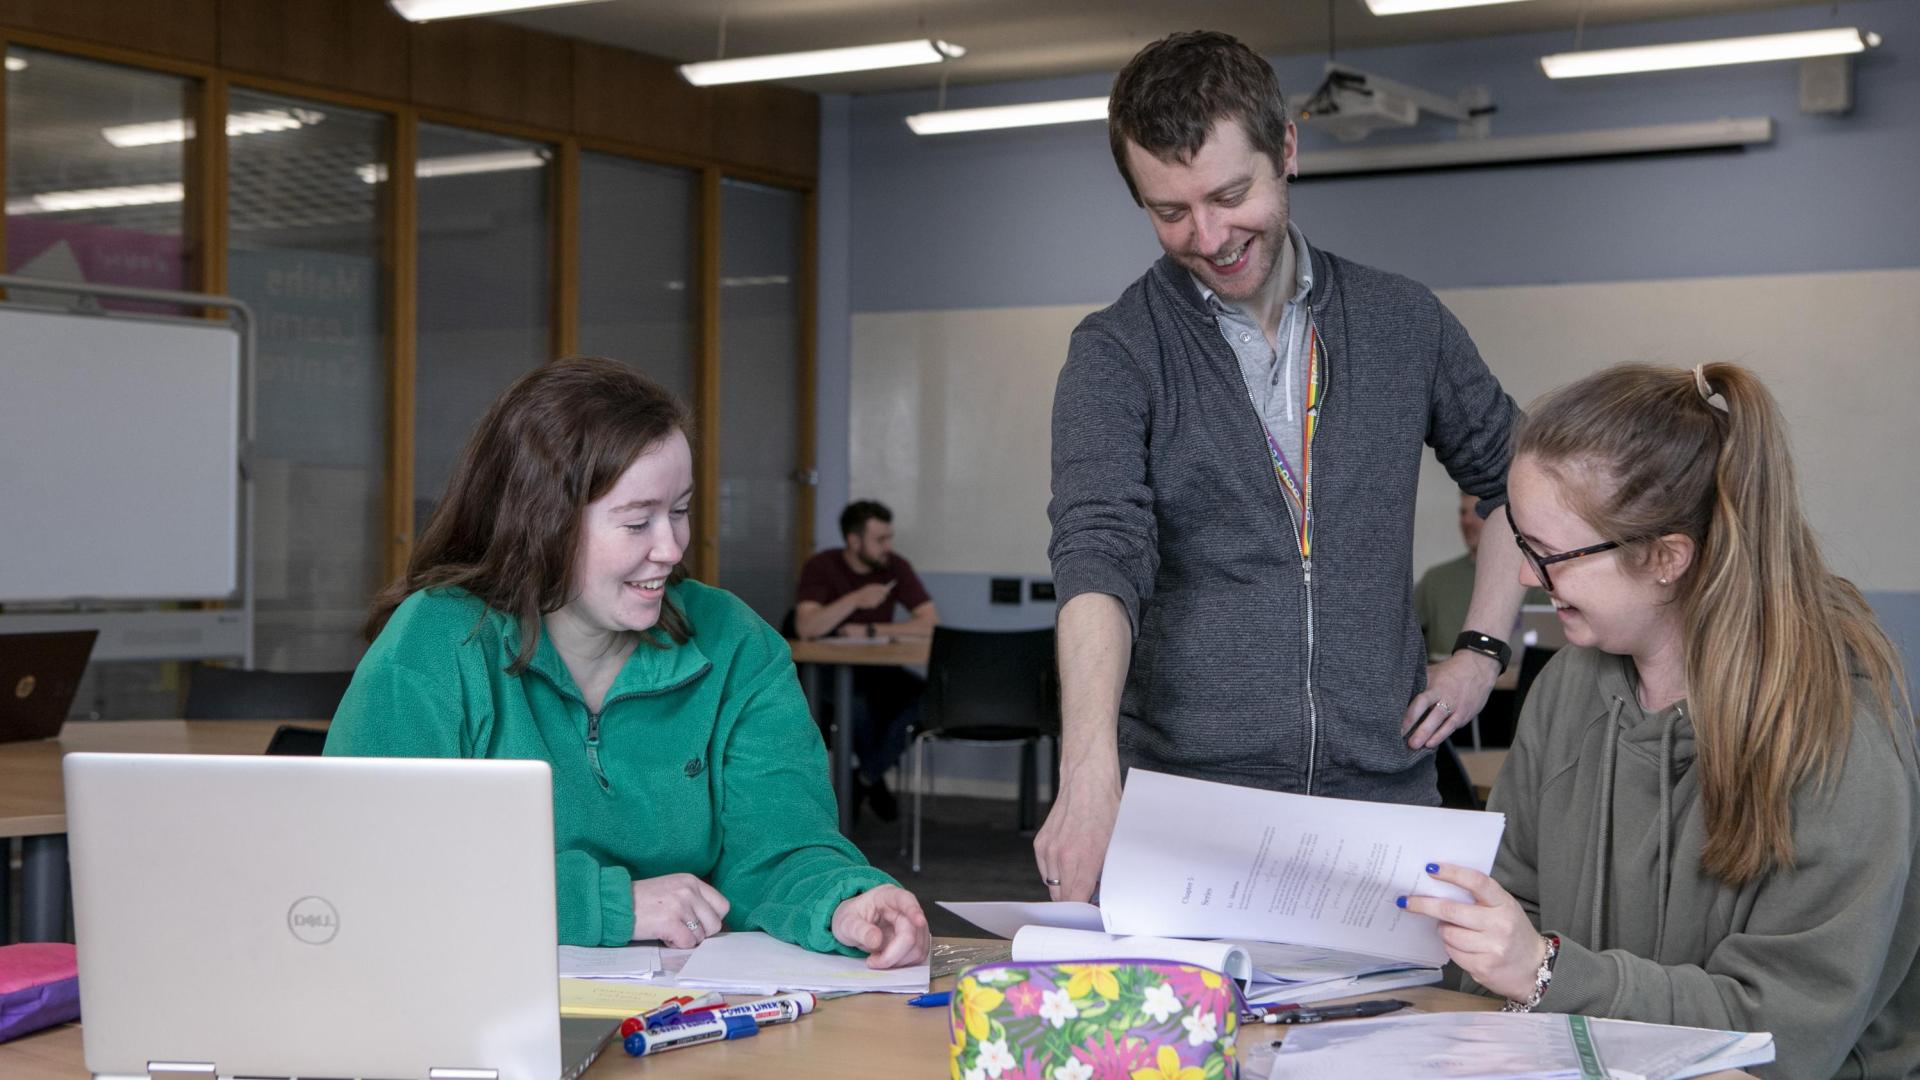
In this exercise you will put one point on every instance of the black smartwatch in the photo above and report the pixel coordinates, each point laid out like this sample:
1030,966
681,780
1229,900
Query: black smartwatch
1474,641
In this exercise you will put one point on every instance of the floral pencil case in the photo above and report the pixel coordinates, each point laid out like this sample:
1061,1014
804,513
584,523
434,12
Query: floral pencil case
1110,1020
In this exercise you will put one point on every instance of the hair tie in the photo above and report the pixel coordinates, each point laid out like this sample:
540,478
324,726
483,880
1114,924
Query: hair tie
1718,401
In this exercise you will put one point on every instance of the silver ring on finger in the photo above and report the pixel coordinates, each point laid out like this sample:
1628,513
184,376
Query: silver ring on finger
1443,706
692,924
1053,881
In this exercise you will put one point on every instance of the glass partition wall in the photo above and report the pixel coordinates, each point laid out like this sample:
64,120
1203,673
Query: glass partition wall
387,324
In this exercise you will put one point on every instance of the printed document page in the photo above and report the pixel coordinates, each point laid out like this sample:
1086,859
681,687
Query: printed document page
1500,1046
750,962
628,962
1190,858
1049,944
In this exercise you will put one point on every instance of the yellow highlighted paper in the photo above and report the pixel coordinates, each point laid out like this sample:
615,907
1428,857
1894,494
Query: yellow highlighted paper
609,1000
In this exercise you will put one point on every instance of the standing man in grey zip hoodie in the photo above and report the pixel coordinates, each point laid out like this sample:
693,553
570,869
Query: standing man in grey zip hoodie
1236,447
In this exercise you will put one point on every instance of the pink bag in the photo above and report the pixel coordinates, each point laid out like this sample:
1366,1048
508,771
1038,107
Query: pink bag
39,987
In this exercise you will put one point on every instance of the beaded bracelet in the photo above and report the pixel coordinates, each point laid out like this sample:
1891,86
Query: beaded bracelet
1540,978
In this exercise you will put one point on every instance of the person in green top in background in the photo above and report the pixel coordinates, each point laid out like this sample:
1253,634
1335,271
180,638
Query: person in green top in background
544,615
1441,596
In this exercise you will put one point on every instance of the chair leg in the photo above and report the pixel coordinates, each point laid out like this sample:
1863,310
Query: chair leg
919,791
1029,783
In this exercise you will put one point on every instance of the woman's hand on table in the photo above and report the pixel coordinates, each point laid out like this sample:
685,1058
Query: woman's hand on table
886,922
678,910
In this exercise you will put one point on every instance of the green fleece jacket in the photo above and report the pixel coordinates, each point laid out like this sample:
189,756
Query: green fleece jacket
703,760
1604,832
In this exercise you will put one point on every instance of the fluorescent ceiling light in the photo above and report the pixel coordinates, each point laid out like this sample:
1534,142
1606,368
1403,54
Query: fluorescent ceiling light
1407,7
429,10
462,164
53,202
800,65
1691,54
1067,111
16,63
173,131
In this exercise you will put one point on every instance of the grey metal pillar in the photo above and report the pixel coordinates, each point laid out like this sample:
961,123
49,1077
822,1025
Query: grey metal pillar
43,888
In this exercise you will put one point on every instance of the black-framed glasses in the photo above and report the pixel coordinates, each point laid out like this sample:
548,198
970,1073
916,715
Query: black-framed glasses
1540,562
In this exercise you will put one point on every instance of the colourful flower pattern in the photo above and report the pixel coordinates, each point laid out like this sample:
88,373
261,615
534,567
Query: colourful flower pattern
1115,1021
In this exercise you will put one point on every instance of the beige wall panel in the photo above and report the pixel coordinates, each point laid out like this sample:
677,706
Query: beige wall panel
950,427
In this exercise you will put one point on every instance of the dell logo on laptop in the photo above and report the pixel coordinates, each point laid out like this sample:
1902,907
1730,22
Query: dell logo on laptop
313,920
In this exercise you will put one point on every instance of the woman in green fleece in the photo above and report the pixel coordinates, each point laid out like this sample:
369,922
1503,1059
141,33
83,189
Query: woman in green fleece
1713,809
544,616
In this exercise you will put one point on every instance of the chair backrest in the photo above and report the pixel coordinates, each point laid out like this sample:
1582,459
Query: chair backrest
221,693
991,684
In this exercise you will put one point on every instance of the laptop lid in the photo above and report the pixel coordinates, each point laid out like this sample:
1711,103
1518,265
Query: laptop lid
338,917
39,674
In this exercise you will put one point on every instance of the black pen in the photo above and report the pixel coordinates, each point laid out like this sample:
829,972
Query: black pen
1355,1011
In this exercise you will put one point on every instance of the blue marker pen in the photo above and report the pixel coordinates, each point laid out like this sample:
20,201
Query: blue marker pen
691,1033
932,1001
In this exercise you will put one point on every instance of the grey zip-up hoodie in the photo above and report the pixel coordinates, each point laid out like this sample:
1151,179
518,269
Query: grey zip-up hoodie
1250,667
1604,833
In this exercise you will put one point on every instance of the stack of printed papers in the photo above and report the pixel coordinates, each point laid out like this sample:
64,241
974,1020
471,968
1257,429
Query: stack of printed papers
589,962
1508,1046
754,963
1304,886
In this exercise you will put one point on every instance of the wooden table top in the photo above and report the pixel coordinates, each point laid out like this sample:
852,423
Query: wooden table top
1483,768
899,652
860,1036
33,798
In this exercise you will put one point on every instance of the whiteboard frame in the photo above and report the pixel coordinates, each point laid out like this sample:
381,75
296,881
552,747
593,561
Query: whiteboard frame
148,634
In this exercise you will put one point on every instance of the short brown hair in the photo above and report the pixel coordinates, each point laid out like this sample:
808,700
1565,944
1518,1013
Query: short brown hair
1169,96
508,528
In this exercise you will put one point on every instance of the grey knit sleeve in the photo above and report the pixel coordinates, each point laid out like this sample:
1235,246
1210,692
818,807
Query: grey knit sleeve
1104,535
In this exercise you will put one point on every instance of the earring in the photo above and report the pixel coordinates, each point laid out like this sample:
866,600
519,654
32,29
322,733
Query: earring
1663,581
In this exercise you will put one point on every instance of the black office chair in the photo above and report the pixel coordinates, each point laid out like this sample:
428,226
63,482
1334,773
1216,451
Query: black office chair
988,687
1456,788
224,693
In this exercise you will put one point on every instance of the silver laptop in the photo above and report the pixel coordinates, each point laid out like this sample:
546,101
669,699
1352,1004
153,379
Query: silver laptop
336,917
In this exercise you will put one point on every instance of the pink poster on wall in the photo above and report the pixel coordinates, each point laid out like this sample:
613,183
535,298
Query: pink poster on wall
97,254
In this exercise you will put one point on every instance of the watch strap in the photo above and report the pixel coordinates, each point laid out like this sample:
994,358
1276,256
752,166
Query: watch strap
1474,641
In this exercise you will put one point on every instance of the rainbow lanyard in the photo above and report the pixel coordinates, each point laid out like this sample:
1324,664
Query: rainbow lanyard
1300,490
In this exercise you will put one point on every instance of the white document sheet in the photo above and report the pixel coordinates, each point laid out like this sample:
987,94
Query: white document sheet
1052,944
1190,858
1004,918
753,962
628,962
1500,1046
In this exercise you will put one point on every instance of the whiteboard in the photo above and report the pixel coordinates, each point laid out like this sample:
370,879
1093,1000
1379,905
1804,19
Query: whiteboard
119,458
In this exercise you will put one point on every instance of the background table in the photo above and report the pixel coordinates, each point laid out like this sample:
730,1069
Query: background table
1483,768
843,655
33,795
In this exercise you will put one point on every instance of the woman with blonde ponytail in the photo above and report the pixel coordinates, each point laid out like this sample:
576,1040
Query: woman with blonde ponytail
1713,804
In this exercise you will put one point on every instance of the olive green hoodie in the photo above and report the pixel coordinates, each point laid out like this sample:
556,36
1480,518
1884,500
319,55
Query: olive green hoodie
702,760
1604,832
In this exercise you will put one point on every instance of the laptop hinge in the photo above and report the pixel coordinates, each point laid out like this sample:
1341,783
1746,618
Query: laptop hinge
463,1074
180,1070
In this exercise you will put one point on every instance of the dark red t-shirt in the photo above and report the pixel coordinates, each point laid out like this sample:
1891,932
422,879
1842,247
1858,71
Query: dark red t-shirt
826,577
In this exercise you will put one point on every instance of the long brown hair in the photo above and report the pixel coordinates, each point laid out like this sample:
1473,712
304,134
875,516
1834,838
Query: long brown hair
508,528
1773,638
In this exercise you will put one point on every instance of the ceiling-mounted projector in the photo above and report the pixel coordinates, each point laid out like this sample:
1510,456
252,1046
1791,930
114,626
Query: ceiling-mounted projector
1351,104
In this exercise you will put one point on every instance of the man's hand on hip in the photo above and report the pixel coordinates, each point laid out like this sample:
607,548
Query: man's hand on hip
1457,690
1072,845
